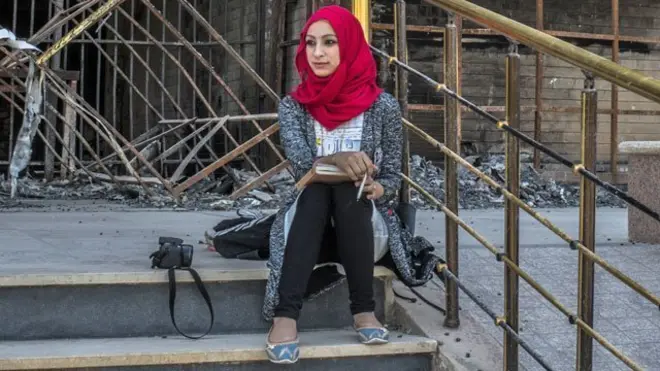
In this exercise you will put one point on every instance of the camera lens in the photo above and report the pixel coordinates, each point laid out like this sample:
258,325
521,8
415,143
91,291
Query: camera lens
186,255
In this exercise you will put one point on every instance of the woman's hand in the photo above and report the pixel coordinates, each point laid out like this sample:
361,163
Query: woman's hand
355,164
372,188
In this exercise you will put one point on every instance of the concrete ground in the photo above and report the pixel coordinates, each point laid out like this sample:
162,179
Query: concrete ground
626,319
89,241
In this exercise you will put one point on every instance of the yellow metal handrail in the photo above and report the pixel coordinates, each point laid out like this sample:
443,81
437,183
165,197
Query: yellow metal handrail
592,65
624,77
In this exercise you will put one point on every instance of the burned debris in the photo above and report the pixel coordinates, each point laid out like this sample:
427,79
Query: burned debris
535,190
219,193
91,144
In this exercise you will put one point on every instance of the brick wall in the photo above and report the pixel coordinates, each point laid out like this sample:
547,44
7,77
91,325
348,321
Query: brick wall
592,16
483,72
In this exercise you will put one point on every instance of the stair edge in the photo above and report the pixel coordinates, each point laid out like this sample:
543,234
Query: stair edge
143,277
173,350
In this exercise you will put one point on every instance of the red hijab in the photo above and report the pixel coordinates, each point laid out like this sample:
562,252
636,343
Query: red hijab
352,88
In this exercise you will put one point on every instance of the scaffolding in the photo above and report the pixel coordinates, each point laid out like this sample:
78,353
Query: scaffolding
124,81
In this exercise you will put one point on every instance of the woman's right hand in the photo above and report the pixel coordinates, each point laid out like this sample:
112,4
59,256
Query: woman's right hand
355,164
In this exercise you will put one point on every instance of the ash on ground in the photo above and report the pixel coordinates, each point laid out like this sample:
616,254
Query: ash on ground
208,194
214,194
474,193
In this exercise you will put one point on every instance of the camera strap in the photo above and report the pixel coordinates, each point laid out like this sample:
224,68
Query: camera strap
202,290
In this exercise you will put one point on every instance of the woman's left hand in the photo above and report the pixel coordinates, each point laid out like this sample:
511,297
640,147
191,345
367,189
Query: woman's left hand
372,189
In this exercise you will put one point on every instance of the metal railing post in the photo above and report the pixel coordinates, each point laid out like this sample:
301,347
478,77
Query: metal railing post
452,127
588,258
512,210
362,11
401,43
587,223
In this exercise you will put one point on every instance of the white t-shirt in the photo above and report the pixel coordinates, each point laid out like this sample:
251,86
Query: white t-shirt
348,138
345,138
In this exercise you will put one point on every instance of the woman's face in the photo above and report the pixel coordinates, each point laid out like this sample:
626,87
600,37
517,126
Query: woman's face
322,48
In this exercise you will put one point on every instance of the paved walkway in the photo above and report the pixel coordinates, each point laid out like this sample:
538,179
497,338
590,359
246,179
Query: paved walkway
625,318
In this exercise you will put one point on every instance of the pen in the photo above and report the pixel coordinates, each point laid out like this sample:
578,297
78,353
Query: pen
364,180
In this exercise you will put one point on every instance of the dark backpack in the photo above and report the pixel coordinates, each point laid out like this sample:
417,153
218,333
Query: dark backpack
248,237
245,237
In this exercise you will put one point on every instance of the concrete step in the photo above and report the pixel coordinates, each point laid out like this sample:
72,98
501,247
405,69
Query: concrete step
320,350
134,303
71,275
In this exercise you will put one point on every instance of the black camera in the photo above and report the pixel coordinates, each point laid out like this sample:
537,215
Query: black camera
173,253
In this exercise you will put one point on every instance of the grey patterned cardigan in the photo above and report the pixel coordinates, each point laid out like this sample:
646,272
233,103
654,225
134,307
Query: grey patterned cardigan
382,140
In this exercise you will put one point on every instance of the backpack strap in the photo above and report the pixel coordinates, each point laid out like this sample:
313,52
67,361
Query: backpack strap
202,290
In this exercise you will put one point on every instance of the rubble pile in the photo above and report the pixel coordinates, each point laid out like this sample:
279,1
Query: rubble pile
214,194
261,197
206,195
535,190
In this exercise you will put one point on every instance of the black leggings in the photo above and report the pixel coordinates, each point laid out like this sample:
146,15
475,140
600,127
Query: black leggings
355,245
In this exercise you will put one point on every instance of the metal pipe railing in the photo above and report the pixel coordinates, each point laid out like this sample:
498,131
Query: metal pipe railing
499,321
401,49
573,318
586,269
512,211
626,78
511,125
452,141
578,169
573,243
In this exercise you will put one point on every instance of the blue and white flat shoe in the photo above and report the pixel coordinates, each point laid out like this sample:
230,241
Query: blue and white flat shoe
282,353
373,335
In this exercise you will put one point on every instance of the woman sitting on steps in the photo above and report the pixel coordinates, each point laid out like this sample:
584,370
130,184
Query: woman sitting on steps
339,116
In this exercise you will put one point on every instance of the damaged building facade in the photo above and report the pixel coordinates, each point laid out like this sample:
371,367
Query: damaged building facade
154,66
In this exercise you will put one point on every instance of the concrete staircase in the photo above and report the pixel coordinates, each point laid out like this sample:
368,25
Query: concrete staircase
79,311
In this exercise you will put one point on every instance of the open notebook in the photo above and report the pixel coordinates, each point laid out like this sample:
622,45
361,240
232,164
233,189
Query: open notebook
323,173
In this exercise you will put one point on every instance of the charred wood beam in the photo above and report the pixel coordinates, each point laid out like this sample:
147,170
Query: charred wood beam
259,117
109,133
254,183
98,14
129,81
59,20
57,135
204,23
148,137
226,158
199,95
193,152
215,75
233,53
